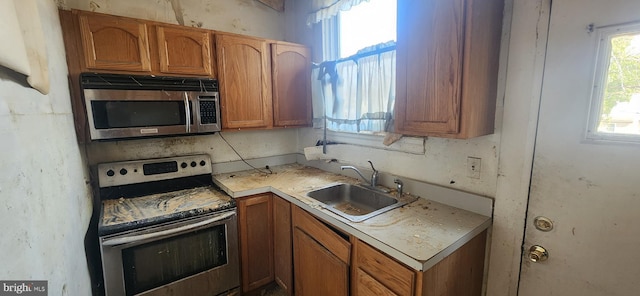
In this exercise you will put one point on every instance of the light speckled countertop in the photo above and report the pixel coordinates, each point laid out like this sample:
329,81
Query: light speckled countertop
419,234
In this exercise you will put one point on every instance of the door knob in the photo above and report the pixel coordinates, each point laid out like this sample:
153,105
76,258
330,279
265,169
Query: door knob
538,254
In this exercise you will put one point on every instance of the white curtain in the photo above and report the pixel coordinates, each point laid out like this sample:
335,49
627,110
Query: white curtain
325,9
356,94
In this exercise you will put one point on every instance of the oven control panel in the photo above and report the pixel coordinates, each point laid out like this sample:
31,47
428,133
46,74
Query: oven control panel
147,170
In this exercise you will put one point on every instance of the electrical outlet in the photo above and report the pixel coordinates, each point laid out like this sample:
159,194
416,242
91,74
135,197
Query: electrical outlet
473,167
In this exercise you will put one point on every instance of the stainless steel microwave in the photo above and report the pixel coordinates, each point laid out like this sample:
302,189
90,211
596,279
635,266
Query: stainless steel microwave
128,106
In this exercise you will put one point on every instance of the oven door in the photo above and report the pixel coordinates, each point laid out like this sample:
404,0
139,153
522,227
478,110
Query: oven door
197,256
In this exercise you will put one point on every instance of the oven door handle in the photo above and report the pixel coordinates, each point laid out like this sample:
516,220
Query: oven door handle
144,237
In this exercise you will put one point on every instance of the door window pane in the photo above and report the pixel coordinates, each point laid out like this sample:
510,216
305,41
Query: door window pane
616,99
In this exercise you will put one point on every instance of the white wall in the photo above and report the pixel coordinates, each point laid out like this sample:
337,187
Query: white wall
45,203
249,144
444,162
247,17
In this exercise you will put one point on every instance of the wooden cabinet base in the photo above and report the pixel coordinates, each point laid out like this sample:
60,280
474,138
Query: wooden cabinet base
321,257
459,274
283,245
255,220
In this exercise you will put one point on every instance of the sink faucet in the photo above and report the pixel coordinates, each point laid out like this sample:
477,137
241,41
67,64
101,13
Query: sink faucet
374,177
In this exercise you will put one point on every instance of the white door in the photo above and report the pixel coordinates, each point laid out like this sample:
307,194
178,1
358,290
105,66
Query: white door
589,190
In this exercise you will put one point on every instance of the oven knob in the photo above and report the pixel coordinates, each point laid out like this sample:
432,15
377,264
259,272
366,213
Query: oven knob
193,164
183,165
110,173
202,163
123,172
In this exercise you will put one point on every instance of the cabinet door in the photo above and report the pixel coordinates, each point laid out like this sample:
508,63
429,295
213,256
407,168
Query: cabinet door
447,67
318,271
245,82
291,69
429,66
373,271
255,224
283,245
321,257
184,51
114,43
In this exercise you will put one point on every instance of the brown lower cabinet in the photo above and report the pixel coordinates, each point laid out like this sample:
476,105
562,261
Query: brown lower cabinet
459,274
376,274
321,257
285,244
264,226
255,227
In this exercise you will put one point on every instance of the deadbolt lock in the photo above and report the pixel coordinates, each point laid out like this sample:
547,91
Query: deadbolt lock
543,223
538,254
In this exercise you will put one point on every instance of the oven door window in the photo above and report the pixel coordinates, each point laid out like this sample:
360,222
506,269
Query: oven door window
157,263
127,114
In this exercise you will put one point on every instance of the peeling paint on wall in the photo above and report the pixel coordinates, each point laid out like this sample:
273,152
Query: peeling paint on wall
45,198
247,17
93,6
177,10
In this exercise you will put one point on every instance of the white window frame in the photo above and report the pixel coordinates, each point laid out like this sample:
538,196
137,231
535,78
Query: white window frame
603,57
330,51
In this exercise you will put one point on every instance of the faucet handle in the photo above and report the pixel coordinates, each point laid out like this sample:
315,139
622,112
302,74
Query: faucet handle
399,185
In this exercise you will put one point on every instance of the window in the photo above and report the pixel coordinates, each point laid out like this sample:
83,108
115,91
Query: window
355,91
365,25
615,103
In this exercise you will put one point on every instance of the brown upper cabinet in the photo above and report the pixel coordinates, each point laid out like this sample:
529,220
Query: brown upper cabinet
245,82
184,51
114,43
447,65
125,45
291,71
263,84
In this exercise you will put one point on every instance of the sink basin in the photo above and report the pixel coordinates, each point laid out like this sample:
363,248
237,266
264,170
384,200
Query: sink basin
353,202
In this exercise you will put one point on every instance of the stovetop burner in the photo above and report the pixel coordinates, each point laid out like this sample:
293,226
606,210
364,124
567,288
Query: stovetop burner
140,193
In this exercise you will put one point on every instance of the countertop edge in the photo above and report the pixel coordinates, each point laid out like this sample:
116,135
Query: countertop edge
415,264
244,193
456,245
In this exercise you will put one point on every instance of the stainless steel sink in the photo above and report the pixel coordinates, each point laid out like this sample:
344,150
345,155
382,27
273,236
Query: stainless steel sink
354,202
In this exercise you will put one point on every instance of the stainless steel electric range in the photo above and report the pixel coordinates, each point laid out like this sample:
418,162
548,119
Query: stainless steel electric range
165,229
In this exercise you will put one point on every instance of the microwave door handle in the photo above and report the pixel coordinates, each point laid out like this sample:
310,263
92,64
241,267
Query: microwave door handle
154,235
187,112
